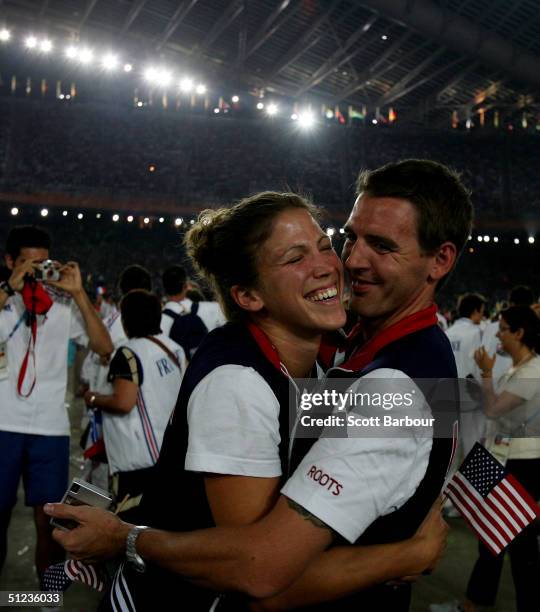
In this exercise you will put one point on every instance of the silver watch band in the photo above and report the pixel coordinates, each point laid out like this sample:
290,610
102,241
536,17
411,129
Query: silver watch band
131,550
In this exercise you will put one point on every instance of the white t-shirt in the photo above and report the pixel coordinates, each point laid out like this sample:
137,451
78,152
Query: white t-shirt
43,412
233,418
465,337
210,313
523,381
349,482
133,440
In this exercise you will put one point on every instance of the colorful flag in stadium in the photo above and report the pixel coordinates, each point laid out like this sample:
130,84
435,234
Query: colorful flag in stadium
339,115
356,114
60,576
490,499
392,116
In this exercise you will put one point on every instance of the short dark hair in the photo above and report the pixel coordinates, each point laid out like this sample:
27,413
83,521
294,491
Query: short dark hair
141,313
134,277
524,317
174,279
26,236
223,244
442,202
521,296
470,302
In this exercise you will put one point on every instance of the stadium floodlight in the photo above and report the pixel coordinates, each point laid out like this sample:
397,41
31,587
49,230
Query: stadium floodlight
306,119
192,222
330,231
14,211
186,85
146,220
44,212
64,213
216,111
341,230
486,238
516,240
531,239
480,239
61,96
294,117
80,216
235,99
200,89
86,55
470,237
164,78
260,105
5,35
272,109
374,121
130,218
115,218
46,45
128,67
161,219
495,239
140,104
384,37
72,52
68,97
178,221
31,42
98,215
109,61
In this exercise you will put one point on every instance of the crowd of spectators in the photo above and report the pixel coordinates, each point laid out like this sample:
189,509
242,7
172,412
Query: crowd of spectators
47,146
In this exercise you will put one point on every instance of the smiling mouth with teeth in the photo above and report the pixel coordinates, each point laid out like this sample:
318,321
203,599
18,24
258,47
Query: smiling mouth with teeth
321,296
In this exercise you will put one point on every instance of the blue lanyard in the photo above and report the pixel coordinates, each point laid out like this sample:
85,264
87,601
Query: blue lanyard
17,325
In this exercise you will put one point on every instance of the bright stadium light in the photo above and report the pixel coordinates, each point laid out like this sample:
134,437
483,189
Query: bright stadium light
495,239
235,99
109,61
272,109
516,240
330,231
531,240
44,212
306,119
80,216
374,121
260,105
64,213
216,111
86,56
72,52
14,211
486,238
61,96
115,218
98,215
128,67
341,230
46,46
294,117
200,89
146,220
186,85
480,239
31,42
161,219
130,218
178,221
5,35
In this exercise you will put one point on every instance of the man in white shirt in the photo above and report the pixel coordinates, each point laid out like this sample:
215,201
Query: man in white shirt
201,317
465,337
34,424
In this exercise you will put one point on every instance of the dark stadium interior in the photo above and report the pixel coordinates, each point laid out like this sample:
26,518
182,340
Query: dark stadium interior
455,81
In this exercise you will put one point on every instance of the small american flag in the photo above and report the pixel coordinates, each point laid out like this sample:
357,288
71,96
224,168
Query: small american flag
490,499
60,576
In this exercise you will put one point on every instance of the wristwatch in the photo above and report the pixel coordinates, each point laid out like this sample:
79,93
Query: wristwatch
92,401
7,288
131,551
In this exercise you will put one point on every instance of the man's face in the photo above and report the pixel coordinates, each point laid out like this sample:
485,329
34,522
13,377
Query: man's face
478,315
387,271
35,254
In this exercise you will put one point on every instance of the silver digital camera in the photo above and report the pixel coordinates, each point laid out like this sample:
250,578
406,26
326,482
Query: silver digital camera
82,493
47,271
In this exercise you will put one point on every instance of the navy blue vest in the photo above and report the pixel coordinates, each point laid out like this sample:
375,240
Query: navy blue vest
425,354
176,499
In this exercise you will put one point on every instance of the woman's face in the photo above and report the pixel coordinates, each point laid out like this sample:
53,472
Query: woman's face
300,275
507,336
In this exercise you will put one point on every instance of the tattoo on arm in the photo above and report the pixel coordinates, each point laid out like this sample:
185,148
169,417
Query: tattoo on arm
306,514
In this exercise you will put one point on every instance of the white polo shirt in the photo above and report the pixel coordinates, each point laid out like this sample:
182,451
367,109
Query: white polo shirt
43,412
465,337
492,344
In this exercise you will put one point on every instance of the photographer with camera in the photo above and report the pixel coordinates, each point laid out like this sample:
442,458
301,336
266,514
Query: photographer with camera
42,306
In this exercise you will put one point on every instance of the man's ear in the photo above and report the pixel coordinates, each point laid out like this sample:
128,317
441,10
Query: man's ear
247,299
520,332
9,261
443,261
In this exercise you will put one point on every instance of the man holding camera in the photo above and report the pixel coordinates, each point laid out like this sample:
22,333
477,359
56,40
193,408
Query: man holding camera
42,306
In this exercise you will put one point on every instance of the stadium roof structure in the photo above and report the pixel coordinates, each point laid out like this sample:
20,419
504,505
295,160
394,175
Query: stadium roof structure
425,58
